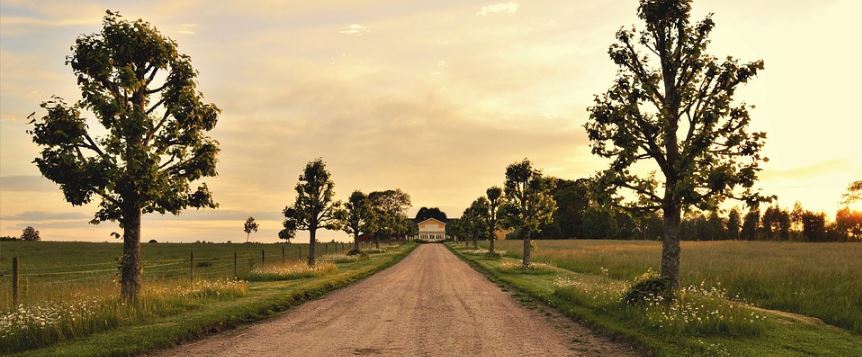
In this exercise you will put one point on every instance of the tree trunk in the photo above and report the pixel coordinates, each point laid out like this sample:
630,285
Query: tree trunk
527,248
476,241
670,246
246,237
377,241
356,242
311,243
130,263
491,243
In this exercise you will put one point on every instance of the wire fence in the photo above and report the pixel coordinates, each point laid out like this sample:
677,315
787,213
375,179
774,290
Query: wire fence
20,284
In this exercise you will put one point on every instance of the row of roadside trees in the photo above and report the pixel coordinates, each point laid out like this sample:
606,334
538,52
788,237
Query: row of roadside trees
524,204
154,145
380,214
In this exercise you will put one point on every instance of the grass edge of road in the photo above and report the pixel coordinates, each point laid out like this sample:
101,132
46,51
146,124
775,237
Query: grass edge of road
785,338
264,300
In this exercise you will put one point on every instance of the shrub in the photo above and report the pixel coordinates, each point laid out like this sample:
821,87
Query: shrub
648,289
648,286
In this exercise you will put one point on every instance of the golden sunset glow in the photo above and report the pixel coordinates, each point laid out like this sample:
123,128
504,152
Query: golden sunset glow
435,98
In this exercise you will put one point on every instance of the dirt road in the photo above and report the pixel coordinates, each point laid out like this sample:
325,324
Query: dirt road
429,304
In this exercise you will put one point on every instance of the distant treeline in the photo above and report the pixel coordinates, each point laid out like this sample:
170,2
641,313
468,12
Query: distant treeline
580,216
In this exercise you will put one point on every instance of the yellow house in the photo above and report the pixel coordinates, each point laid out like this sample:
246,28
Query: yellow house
501,233
432,229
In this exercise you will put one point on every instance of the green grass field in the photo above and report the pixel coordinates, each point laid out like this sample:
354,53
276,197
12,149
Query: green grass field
69,302
51,270
700,322
823,280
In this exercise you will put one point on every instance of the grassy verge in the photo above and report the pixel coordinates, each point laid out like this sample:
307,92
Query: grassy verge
262,300
595,301
814,279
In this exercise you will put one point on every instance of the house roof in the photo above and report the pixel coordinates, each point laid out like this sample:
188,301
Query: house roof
431,219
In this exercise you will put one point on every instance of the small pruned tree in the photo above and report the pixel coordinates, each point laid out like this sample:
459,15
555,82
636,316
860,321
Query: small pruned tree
314,207
143,92
672,104
475,218
249,227
528,203
30,234
356,217
494,195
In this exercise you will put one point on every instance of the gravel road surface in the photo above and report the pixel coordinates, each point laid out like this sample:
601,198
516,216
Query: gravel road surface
429,304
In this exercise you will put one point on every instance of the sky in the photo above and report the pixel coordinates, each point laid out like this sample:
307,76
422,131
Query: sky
433,97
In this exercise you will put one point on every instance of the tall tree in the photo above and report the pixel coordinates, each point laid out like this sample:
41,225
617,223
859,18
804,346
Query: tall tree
494,194
433,212
849,224
314,207
672,104
600,223
733,224
356,216
854,193
750,224
453,228
30,234
389,213
715,226
249,226
528,204
814,226
144,93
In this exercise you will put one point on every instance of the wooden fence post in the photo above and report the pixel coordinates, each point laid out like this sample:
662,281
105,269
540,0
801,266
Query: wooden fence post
234,264
191,265
261,256
15,275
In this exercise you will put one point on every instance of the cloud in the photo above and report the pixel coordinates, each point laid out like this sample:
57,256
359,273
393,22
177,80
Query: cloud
501,8
188,29
354,29
35,21
26,184
40,216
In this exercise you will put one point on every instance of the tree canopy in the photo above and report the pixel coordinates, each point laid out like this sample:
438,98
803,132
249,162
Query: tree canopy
30,234
389,217
432,212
